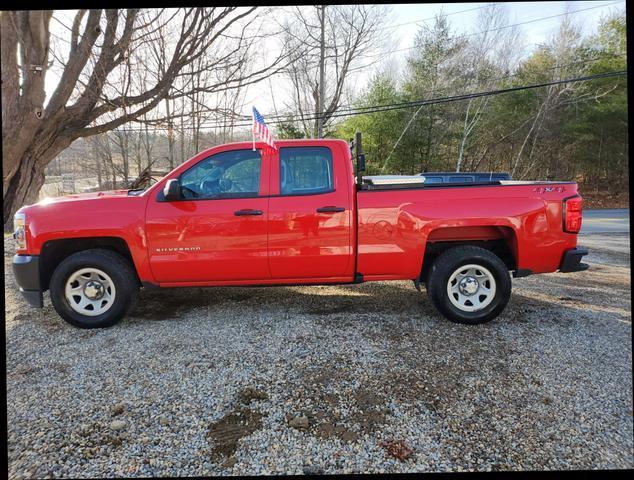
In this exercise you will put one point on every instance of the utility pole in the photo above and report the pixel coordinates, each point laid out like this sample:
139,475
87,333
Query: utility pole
322,73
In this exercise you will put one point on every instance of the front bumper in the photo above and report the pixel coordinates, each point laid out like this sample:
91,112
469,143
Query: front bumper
26,269
571,261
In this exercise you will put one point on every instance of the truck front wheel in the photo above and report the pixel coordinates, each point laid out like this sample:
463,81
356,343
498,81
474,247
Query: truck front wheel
469,284
93,288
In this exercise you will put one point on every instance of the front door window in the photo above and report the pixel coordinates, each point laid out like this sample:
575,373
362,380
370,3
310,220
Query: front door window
233,174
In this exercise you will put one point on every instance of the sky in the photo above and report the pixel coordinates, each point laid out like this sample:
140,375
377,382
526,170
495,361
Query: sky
406,19
518,11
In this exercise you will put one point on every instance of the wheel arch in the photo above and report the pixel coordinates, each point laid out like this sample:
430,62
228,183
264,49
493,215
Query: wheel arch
53,252
498,239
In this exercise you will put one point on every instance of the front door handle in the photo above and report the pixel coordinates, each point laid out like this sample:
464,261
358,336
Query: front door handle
247,211
330,209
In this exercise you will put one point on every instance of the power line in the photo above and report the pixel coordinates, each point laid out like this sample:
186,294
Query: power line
474,34
348,107
486,93
361,109
442,89
418,103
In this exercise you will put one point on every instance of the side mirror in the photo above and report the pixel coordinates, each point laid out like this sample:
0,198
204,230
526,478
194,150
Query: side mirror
172,190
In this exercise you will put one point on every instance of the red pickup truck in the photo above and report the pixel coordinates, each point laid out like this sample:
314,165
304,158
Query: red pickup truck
297,214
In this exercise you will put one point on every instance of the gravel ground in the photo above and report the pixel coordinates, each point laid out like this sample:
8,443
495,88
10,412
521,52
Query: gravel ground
365,378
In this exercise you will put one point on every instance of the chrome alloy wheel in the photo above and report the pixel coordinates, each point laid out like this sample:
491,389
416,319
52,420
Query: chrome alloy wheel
471,288
90,291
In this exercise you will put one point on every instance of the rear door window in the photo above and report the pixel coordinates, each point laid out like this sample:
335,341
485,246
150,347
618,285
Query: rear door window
306,170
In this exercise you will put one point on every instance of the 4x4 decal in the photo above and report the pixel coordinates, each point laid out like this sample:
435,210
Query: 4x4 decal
559,188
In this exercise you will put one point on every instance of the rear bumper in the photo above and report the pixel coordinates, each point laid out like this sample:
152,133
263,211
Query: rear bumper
26,269
571,261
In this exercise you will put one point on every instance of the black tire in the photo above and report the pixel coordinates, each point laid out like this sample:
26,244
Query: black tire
116,267
452,259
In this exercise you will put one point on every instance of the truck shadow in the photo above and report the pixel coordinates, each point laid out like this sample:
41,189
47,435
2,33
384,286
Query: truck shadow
323,300
334,304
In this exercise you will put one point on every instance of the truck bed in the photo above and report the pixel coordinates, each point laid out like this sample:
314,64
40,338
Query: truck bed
396,222
487,183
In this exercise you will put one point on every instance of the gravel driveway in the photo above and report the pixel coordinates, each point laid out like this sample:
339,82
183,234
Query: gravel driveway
365,378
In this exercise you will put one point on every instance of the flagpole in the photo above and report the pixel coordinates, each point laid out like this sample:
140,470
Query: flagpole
253,128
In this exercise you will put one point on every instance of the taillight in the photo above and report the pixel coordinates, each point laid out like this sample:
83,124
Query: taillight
572,214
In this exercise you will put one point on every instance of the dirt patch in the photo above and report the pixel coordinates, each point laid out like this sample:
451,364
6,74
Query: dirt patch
366,410
249,394
59,367
432,377
227,432
370,413
24,369
326,429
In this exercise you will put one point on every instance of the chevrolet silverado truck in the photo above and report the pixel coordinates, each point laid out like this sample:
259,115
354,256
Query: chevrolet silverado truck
245,214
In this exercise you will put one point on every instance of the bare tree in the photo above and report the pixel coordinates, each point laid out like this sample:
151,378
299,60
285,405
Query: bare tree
487,56
148,141
121,140
107,49
560,50
327,44
103,153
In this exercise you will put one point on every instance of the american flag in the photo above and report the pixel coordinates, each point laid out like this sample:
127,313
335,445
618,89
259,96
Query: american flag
262,131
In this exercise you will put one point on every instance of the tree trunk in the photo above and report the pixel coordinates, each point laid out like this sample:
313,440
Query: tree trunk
138,153
170,141
170,134
113,172
182,135
95,154
22,102
125,154
24,186
148,146
465,134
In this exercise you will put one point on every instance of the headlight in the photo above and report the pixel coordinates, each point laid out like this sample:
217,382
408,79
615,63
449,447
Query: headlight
19,230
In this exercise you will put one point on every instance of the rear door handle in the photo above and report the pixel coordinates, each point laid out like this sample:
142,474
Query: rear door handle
330,209
247,211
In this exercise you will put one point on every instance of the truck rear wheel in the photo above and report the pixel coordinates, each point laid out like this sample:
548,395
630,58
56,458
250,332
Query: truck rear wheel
469,284
93,288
